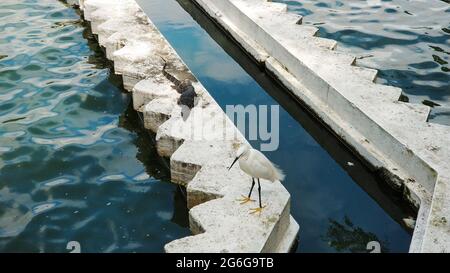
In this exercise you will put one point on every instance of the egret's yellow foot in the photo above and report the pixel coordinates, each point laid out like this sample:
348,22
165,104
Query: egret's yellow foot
257,210
245,199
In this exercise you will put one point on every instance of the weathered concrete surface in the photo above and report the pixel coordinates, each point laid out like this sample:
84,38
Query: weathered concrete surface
200,144
391,135
72,3
224,215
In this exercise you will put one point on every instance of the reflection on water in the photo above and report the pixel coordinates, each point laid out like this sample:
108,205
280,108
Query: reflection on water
346,237
322,183
407,41
75,164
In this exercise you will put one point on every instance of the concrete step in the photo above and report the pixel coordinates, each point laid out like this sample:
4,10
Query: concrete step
224,225
135,27
139,60
323,42
403,113
203,167
120,39
152,88
157,112
187,160
310,54
90,6
276,7
134,52
126,9
203,123
365,73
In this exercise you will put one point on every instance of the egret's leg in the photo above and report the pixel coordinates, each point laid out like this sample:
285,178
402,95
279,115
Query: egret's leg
251,189
259,192
258,210
248,199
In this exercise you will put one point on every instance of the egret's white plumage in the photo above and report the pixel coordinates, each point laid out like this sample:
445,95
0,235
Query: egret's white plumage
255,164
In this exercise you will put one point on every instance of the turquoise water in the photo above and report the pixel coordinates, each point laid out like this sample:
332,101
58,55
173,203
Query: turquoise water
407,41
75,164
339,204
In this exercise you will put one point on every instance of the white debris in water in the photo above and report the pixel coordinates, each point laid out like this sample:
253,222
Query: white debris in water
112,177
56,182
61,128
141,177
409,222
165,215
351,164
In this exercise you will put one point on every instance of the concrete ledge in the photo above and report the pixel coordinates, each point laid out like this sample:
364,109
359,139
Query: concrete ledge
205,122
157,112
391,135
136,46
147,90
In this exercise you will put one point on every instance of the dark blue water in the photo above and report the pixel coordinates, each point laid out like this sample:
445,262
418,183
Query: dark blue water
407,41
339,206
75,164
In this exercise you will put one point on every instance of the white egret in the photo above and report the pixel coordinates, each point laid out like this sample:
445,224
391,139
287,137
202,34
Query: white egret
255,164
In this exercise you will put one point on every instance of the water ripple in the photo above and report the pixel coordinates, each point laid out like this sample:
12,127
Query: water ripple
86,138
70,143
407,41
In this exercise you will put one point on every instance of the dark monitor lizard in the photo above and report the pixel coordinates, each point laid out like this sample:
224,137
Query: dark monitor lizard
184,87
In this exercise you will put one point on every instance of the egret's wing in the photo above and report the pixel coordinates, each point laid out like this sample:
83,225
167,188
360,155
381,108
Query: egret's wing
265,168
279,174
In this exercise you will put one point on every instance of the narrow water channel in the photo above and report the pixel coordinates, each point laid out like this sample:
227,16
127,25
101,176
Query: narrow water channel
75,164
339,205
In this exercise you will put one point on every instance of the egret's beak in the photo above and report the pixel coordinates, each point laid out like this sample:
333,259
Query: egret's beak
233,163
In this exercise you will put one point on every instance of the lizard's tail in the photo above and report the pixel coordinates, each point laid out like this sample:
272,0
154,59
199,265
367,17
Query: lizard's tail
168,75
165,63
